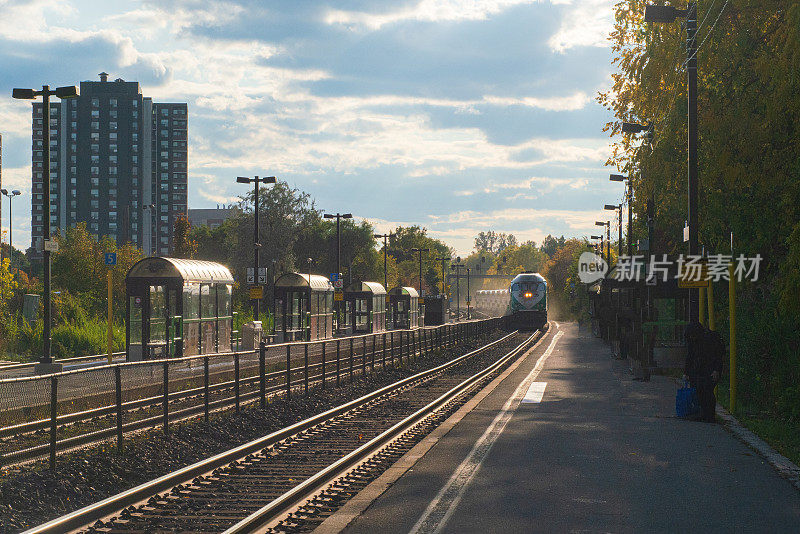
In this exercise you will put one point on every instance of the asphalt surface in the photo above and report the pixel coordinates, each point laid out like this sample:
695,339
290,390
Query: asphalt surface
599,453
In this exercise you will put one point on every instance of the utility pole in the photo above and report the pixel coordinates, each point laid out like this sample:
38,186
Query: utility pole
668,14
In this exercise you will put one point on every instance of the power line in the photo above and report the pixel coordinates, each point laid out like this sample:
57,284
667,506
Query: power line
719,15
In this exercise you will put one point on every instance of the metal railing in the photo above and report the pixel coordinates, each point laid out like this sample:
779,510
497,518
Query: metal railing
50,414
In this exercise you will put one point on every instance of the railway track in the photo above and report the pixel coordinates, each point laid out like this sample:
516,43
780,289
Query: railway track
257,483
27,442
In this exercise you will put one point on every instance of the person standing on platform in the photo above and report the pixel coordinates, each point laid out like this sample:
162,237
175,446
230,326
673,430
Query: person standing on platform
705,350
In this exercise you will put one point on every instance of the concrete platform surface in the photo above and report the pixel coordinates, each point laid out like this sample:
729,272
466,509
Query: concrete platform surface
599,452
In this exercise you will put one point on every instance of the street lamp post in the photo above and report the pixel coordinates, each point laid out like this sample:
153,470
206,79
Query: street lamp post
615,207
69,91
338,216
444,274
10,195
256,242
386,238
629,200
420,250
607,224
457,266
468,298
669,14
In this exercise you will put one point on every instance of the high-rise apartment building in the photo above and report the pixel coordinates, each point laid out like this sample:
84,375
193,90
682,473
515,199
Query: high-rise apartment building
118,162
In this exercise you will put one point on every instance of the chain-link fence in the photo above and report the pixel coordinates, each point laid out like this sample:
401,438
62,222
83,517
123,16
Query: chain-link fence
50,414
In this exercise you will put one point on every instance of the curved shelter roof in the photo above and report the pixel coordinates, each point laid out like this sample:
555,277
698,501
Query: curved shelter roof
314,281
186,270
400,290
366,287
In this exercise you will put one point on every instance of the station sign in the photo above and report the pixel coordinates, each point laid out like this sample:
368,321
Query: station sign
692,284
256,293
48,245
251,275
695,281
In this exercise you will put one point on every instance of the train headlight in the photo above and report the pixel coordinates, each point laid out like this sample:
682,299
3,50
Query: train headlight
528,295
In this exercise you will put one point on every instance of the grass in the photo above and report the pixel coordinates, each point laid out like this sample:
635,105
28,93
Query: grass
782,435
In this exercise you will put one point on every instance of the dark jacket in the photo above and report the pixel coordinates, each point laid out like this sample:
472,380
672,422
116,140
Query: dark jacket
705,352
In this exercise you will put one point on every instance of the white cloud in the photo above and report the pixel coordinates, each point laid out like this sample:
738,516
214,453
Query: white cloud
426,11
585,23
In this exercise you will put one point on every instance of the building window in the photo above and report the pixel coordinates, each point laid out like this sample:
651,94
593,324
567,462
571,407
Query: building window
95,113
112,125
95,102
135,103
113,113
112,102
112,135
164,112
95,125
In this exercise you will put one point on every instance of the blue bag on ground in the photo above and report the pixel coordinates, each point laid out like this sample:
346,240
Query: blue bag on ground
686,402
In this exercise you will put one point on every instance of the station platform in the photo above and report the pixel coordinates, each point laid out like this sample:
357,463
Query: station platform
567,441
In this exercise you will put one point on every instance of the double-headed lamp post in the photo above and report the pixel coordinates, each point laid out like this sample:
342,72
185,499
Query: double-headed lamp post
385,238
607,224
69,91
420,250
10,195
457,266
615,207
256,181
338,216
629,200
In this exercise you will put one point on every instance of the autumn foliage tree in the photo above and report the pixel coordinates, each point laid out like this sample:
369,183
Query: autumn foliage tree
749,120
184,245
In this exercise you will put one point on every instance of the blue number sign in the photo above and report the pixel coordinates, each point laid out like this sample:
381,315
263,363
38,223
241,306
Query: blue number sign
110,258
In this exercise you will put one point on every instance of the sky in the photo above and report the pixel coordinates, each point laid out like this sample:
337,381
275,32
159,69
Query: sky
460,116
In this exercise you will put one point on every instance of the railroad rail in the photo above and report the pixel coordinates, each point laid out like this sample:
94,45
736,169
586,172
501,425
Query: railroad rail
169,391
229,490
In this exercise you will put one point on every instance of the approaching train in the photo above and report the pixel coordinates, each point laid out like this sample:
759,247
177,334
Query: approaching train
528,307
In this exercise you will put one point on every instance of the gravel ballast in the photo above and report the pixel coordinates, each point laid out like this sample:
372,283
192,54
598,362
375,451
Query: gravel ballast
34,494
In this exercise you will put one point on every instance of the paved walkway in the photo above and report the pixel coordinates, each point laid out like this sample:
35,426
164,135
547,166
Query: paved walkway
599,452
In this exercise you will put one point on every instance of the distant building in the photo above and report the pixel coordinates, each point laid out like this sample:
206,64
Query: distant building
212,217
118,162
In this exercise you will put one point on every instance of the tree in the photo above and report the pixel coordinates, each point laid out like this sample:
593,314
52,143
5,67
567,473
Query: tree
183,244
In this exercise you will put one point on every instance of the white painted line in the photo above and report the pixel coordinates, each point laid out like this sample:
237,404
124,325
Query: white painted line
535,393
444,504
